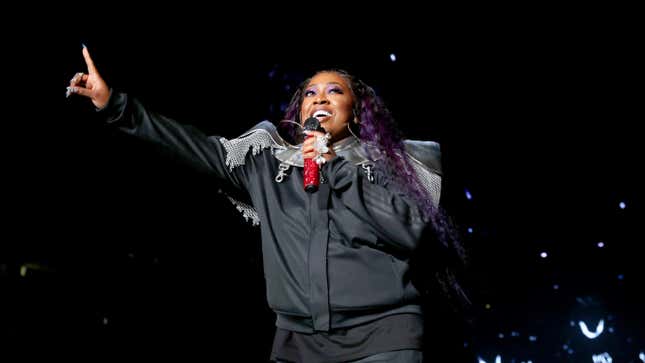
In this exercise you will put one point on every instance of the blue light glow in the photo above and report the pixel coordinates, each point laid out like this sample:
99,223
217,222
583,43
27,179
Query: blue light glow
622,205
543,255
393,57
602,358
601,244
498,359
468,195
589,334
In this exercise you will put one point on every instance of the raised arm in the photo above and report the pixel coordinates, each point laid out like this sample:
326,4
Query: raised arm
132,117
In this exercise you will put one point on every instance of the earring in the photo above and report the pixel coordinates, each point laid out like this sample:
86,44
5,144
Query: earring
352,132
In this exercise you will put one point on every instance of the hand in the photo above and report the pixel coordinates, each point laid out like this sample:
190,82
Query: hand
309,149
90,85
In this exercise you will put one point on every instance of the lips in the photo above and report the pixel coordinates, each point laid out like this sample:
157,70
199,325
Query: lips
321,114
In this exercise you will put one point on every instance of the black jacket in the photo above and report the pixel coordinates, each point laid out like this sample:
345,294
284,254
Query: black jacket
334,258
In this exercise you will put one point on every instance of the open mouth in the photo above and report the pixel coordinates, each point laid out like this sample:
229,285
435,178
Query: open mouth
321,114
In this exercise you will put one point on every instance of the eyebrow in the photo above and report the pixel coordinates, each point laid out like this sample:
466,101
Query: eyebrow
327,84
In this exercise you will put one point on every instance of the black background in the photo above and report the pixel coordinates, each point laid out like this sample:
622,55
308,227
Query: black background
127,249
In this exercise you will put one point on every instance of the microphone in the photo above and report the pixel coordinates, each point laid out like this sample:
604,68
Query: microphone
312,171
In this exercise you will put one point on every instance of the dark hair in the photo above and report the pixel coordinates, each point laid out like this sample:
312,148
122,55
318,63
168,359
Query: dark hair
377,128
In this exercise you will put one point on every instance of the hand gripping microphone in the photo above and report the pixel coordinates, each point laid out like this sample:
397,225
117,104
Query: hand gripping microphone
312,171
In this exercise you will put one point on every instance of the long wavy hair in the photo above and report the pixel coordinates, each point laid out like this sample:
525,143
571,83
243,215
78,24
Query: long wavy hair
378,129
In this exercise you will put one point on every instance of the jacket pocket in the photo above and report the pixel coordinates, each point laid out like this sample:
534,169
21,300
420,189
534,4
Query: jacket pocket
362,278
286,287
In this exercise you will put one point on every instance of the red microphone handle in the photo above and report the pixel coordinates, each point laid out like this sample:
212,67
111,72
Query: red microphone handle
311,175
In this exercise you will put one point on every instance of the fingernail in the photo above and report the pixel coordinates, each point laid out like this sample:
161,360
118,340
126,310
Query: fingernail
84,46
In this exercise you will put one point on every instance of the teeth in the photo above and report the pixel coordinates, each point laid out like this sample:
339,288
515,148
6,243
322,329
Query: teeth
322,113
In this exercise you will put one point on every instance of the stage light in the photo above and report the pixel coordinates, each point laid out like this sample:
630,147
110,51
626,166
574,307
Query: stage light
589,334
532,338
556,286
543,255
25,268
601,244
470,229
498,359
622,205
468,195
602,358
393,57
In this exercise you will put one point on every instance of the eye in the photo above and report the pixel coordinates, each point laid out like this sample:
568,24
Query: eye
309,93
336,90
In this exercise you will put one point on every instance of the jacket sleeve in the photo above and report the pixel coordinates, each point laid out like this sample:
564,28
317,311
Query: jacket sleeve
206,152
395,219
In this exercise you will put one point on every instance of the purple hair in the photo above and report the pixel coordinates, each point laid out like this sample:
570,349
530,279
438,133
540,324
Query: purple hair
378,128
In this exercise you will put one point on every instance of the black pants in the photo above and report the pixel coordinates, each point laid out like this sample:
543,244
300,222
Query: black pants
397,356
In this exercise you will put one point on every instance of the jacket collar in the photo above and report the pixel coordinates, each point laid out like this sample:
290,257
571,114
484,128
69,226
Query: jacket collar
349,148
425,153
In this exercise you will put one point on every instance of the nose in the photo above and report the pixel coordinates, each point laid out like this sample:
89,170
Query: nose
321,99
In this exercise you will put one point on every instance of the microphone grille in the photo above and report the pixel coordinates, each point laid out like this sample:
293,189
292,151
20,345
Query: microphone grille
312,124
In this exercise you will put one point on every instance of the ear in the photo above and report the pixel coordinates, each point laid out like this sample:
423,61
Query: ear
356,120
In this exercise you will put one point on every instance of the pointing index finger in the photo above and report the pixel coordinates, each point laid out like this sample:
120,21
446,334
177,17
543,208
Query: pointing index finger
88,60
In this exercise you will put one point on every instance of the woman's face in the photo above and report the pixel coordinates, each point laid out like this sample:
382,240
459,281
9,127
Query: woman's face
329,98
